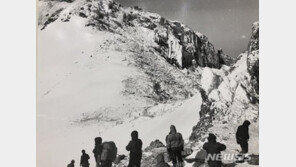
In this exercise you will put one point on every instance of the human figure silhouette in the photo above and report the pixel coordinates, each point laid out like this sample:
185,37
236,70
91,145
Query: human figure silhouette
109,153
213,149
98,150
175,146
242,136
135,148
71,164
84,159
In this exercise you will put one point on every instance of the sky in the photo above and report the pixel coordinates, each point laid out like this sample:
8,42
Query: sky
227,23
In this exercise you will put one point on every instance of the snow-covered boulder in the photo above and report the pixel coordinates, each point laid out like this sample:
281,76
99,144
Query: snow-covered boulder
154,144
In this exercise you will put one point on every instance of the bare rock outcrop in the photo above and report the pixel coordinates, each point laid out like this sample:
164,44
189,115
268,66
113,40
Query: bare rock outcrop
176,42
253,57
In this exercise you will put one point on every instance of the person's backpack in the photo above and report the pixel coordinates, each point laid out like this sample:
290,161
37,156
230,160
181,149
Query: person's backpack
109,151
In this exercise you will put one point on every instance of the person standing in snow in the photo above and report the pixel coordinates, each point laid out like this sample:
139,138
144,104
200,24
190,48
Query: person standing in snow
135,148
109,153
242,136
213,149
175,146
160,161
84,159
98,150
71,164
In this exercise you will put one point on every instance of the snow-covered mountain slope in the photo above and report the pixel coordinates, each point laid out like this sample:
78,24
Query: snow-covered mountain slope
91,80
231,96
105,70
173,40
97,80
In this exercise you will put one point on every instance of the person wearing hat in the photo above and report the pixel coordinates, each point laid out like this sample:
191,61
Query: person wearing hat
213,149
242,136
135,149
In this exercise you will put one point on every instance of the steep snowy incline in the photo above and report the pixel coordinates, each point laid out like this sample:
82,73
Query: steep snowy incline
105,70
91,81
70,83
175,41
70,80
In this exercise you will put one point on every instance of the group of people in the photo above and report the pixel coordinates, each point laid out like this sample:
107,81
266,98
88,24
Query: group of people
214,148
105,153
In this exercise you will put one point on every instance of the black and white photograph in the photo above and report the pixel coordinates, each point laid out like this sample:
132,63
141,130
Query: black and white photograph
147,83
150,83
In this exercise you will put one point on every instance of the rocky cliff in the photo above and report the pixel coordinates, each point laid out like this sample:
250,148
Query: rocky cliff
230,96
228,99
253,59
175,41
104,69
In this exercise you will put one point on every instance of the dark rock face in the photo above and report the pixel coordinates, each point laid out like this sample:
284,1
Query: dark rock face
208,113
253,57
188,45
154,144
254,41
206,117
150,160
194,46
254,72
225,59
52,18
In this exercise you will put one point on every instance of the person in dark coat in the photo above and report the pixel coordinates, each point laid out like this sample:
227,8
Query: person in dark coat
160,161
213,149
106,164
109,153
242,136
98,150
175,146
135,148
71,164
84,159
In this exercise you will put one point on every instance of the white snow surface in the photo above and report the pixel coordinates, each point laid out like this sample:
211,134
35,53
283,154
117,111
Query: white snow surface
94,83
79,96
